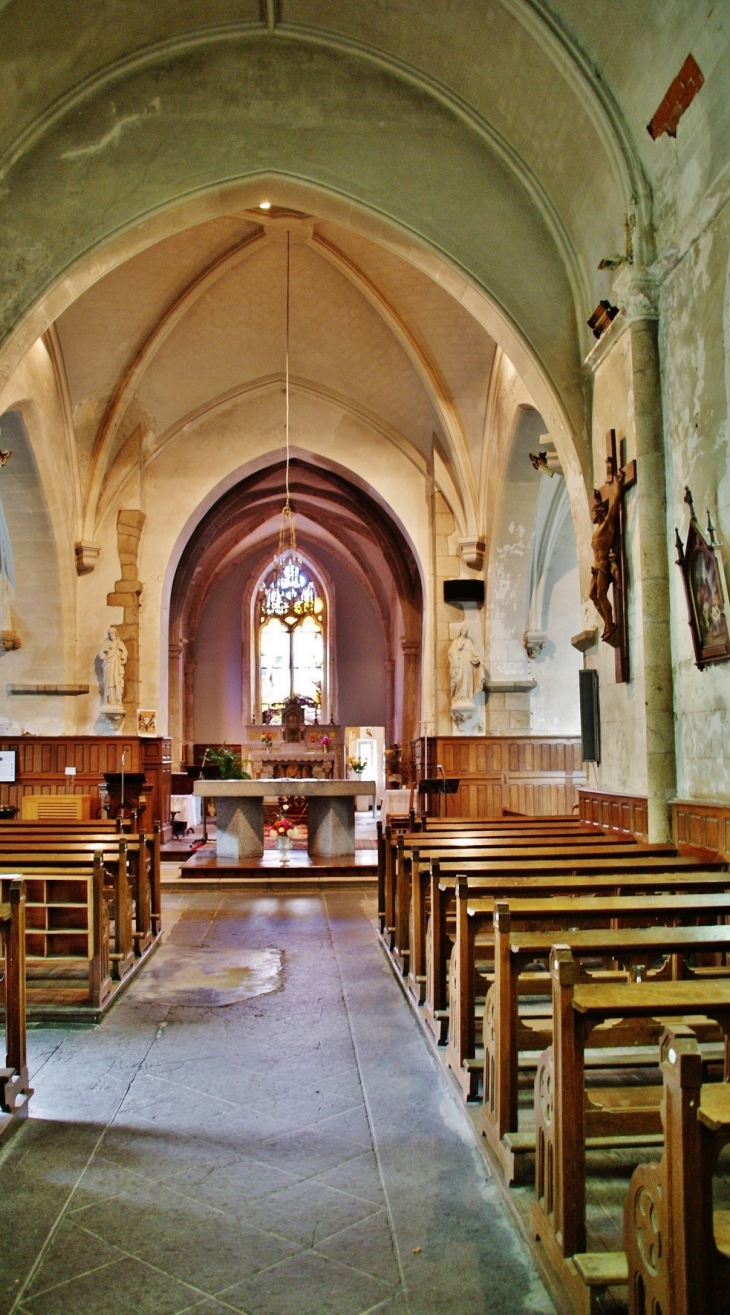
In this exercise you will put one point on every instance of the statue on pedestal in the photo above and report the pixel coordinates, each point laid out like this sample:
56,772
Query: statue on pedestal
113,657
466,668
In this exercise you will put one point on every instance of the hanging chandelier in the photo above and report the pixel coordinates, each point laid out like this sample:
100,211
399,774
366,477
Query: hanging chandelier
287,591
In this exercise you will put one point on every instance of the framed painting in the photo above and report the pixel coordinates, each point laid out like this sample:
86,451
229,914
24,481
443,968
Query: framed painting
704,587
146,721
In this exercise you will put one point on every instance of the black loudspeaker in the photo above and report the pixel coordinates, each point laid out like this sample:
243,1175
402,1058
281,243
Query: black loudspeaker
590,721
464,591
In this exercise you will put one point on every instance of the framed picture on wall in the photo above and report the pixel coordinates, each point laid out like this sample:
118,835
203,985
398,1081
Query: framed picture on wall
146,721
704,587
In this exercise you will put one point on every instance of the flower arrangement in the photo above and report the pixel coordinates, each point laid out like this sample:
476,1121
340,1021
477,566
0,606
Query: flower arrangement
326,742
357,765
282,825
267,740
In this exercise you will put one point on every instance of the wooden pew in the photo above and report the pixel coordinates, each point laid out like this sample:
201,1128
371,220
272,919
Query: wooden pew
143,853
487,877
406,870
565,1115
68,952
505,1035
475,917
15,1089
676,1247
398,848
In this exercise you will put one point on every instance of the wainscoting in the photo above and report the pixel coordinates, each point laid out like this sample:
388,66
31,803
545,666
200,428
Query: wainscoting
621,814
525,774
41,762
703,826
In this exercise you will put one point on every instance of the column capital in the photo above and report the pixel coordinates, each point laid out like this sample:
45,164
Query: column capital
411,647
637,293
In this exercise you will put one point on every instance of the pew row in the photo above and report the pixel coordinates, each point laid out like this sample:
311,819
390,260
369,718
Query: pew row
566,1114
632,948
15,1089
677,1247
87,930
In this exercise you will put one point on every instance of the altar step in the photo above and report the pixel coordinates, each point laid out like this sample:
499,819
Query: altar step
204,867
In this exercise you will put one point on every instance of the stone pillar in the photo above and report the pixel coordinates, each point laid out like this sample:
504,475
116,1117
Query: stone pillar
638,300
188,710
175,700
411,680
126,595
389,701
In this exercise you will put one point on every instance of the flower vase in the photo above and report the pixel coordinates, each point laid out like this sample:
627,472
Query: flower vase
283,844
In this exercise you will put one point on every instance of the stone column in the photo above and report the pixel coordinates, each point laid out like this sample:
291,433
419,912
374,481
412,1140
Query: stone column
188,711
411,675
389,701
637,296
126,595
175,700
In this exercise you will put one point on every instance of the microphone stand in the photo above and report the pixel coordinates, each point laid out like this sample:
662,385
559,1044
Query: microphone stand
442,791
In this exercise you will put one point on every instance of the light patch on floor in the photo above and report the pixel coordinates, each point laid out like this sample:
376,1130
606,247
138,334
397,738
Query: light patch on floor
209,977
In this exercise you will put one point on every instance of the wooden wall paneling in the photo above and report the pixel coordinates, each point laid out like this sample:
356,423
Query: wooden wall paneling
41,761
618,813
528,774
702,825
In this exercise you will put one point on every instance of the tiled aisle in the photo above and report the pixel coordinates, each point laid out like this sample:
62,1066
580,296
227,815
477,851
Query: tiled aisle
293,1152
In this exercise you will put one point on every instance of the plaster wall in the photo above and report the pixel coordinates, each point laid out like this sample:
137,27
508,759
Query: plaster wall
554,707
623,726
695,348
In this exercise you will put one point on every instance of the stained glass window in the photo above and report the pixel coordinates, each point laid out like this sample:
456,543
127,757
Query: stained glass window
291,641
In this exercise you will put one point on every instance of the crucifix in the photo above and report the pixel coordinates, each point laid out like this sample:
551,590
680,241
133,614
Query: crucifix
609,556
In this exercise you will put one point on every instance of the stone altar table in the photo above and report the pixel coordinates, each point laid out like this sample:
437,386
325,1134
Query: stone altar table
240,813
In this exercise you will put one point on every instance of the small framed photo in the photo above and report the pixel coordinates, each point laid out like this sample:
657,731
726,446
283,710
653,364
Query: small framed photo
704,587
146,721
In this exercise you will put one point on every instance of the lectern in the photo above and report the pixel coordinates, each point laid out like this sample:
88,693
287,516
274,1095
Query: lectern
442,787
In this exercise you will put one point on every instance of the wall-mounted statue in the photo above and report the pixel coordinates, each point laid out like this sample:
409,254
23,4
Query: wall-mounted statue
113,657
605,570
466,668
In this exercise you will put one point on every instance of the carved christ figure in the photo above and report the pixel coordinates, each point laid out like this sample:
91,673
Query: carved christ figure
604,571
465,667
113,656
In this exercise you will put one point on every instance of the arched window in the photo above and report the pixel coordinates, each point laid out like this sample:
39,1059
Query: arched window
291,619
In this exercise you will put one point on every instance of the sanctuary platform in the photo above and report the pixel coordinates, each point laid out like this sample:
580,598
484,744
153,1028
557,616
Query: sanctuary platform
240,815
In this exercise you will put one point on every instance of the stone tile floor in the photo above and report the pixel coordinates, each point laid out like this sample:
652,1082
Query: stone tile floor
293,1152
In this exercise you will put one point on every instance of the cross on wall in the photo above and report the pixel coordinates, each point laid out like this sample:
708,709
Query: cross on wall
608,493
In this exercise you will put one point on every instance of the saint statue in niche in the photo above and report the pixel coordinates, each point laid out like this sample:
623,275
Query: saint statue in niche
466,668
112,656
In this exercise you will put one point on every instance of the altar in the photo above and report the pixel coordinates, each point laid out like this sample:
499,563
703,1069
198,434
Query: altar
240,813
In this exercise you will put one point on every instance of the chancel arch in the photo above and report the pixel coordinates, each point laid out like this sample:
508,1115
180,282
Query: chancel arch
356,550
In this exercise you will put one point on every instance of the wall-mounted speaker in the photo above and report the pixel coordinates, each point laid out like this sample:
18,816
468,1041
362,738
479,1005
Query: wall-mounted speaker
464,591
590,719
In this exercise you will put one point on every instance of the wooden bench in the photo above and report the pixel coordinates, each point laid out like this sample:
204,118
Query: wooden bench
677,1248
476,917
15,1089
143,857
505,1034
77,954
394,843
489,878
566,1115
406,874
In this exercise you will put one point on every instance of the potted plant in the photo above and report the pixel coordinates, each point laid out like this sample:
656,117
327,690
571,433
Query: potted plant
229,763
357,765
